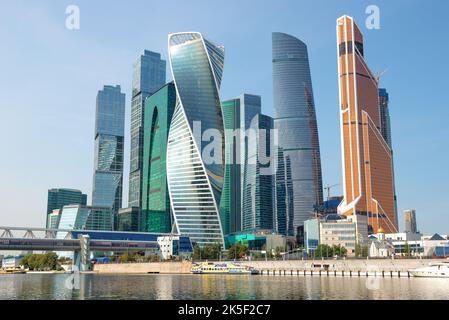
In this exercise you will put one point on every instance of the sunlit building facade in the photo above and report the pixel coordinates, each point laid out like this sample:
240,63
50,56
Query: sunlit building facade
108,160
299,187
230,203
149,76
60,197
238,116
195,176
159,107
258,180
366,156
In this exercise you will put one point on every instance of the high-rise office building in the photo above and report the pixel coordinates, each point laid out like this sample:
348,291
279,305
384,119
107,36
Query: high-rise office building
149,76
230,205
195,176
108,160
60,197
257,201
385,130
367,158
159,107
410,221
299,187
385,127
238,114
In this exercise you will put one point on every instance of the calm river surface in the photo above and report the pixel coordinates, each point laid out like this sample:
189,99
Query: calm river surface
91,286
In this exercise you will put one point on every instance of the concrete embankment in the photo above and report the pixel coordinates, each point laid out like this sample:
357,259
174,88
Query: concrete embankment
346,268
139,268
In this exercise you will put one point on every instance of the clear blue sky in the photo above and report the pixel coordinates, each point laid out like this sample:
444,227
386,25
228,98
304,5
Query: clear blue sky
49,78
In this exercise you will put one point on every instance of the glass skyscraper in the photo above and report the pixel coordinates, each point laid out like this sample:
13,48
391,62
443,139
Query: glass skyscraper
108,160
159,107
60,197
385,130
195,182
238,114
79,217
257,200
299,186
149,76
230,204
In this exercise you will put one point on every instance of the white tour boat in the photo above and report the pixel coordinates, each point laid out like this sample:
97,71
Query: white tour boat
434,270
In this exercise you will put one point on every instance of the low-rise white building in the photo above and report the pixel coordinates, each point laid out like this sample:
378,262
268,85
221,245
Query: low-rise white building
344,231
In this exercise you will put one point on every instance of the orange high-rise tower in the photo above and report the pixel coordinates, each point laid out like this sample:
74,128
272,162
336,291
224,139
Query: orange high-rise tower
367,166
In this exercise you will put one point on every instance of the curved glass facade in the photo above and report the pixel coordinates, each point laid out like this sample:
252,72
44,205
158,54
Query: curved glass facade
159,107
195,185
299,184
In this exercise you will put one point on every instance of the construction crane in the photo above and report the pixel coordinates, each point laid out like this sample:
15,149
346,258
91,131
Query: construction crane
328,188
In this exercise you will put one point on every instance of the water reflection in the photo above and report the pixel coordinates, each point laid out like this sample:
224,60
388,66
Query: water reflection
166,287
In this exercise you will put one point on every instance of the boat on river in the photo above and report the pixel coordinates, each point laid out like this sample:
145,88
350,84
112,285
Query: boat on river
434,270
222,268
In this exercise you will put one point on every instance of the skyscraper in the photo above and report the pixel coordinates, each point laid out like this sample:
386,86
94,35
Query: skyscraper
159,107
195,176
257,201
410,221
385,130
385,127
299,187
149,76
238,114
108,160
60,197
367,157
230,204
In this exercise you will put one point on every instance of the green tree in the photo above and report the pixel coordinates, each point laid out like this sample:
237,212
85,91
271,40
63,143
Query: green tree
407,250
41,262
207,252
237,251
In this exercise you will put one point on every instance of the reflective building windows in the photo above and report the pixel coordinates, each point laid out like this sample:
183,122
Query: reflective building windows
299,180
195,185
108,160
149,76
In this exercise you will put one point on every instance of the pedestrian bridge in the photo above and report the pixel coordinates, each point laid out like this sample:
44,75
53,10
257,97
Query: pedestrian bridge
85,241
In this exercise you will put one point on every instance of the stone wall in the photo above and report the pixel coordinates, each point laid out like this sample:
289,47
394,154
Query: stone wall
140,268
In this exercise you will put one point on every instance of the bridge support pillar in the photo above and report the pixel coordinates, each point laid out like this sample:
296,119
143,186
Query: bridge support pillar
83,259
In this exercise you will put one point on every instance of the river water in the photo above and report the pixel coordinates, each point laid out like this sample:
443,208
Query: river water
203,287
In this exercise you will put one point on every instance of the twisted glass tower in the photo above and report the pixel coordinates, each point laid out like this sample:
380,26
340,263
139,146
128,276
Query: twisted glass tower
299,187
195,183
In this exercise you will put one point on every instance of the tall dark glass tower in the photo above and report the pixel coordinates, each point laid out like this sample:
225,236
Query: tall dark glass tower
108,162
257,204
230,207
299,187
238,115
155,214
149,76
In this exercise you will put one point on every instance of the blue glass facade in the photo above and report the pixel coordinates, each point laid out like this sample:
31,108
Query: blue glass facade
298,180
195,185
60,197
108,161
257,200
149,76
